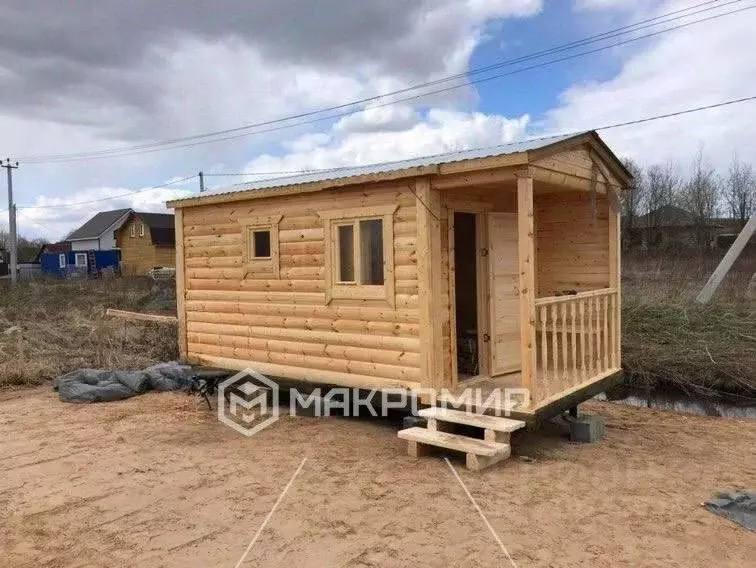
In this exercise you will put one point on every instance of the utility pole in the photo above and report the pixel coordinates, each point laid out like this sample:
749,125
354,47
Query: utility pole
12,220
202,182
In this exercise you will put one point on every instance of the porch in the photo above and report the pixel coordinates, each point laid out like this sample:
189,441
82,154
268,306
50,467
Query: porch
547,280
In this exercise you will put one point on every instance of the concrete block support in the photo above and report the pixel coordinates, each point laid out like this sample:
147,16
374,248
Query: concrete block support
587,428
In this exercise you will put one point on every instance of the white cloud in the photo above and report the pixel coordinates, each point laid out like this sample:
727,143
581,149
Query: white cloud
597,5
703,64
194,80
381,118
54,217
439,131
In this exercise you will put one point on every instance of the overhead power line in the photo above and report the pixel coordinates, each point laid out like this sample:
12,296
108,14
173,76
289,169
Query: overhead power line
343,168
499,146
128,194
294,120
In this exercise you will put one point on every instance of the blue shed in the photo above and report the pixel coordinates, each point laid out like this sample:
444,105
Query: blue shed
82,263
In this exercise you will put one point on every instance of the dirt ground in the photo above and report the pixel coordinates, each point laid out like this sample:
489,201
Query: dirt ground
158,481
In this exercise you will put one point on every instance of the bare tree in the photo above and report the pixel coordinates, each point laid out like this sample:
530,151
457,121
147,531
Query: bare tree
740,190
699,196
662,184
633,196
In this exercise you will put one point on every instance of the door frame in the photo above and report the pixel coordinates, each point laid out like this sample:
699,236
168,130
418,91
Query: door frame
480,211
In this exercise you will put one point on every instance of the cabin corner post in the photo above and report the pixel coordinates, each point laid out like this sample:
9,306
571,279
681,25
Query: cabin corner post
615,277
428,254
526,270
181,285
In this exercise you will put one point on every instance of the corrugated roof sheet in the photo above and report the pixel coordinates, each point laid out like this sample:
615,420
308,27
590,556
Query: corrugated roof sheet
432,160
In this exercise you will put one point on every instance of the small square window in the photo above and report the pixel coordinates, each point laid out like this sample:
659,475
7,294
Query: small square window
260,244
81,259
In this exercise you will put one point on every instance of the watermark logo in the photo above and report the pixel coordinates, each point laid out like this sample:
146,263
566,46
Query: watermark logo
248,402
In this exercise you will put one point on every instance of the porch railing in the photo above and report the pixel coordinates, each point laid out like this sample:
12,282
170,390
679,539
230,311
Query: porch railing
577,340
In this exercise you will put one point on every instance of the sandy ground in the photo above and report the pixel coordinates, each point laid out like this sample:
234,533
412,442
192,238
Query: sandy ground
155,481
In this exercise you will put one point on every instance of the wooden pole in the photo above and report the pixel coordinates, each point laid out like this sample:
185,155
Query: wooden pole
526,254
704,296
181,285
429,282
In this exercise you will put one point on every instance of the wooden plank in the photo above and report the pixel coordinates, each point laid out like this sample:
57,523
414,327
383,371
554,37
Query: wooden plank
140,316
181,284
453,442
503,294
429,282
526,261
724,266
588,294
452,291
484,421
303,374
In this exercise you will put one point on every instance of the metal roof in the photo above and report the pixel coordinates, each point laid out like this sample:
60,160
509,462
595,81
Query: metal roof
383,167
97,225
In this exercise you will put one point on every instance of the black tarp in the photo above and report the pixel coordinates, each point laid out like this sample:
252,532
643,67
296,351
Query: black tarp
97,385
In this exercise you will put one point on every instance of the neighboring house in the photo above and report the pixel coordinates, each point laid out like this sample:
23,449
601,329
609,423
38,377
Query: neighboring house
59,259
670,225
4,262
99,233
495,265
146,241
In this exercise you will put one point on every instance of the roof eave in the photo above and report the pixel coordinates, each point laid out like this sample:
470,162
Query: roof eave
447,168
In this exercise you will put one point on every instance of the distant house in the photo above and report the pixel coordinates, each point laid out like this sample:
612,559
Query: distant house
59,259
99,233
92,247
4,262
146,241
670,225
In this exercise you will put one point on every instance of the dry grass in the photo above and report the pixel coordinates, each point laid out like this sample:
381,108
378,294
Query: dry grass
52,327
669,338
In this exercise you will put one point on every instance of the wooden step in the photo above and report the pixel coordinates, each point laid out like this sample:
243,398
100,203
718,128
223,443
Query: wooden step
454,442
496,423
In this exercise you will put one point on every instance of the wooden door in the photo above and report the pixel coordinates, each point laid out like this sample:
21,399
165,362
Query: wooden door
504,294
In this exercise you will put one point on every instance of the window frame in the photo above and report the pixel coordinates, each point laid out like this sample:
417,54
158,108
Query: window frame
76,260
132,230
257,266
62,260
141,229
338,290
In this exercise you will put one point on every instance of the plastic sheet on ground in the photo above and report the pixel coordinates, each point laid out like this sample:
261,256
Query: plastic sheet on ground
97,385
737,506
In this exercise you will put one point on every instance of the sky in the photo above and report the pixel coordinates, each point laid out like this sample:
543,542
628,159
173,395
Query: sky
102,74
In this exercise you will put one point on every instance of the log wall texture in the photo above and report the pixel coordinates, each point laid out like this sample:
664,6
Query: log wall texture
236,311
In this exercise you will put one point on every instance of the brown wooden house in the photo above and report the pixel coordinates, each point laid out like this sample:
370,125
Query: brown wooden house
146,241
494,268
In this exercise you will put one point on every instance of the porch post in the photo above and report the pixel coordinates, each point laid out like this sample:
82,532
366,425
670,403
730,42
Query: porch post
526,260
615,279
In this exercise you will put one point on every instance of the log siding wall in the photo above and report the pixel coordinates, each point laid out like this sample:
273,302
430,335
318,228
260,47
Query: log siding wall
235,312
572,243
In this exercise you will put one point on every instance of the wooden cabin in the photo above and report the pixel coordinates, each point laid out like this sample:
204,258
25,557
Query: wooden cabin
147,241
496,267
